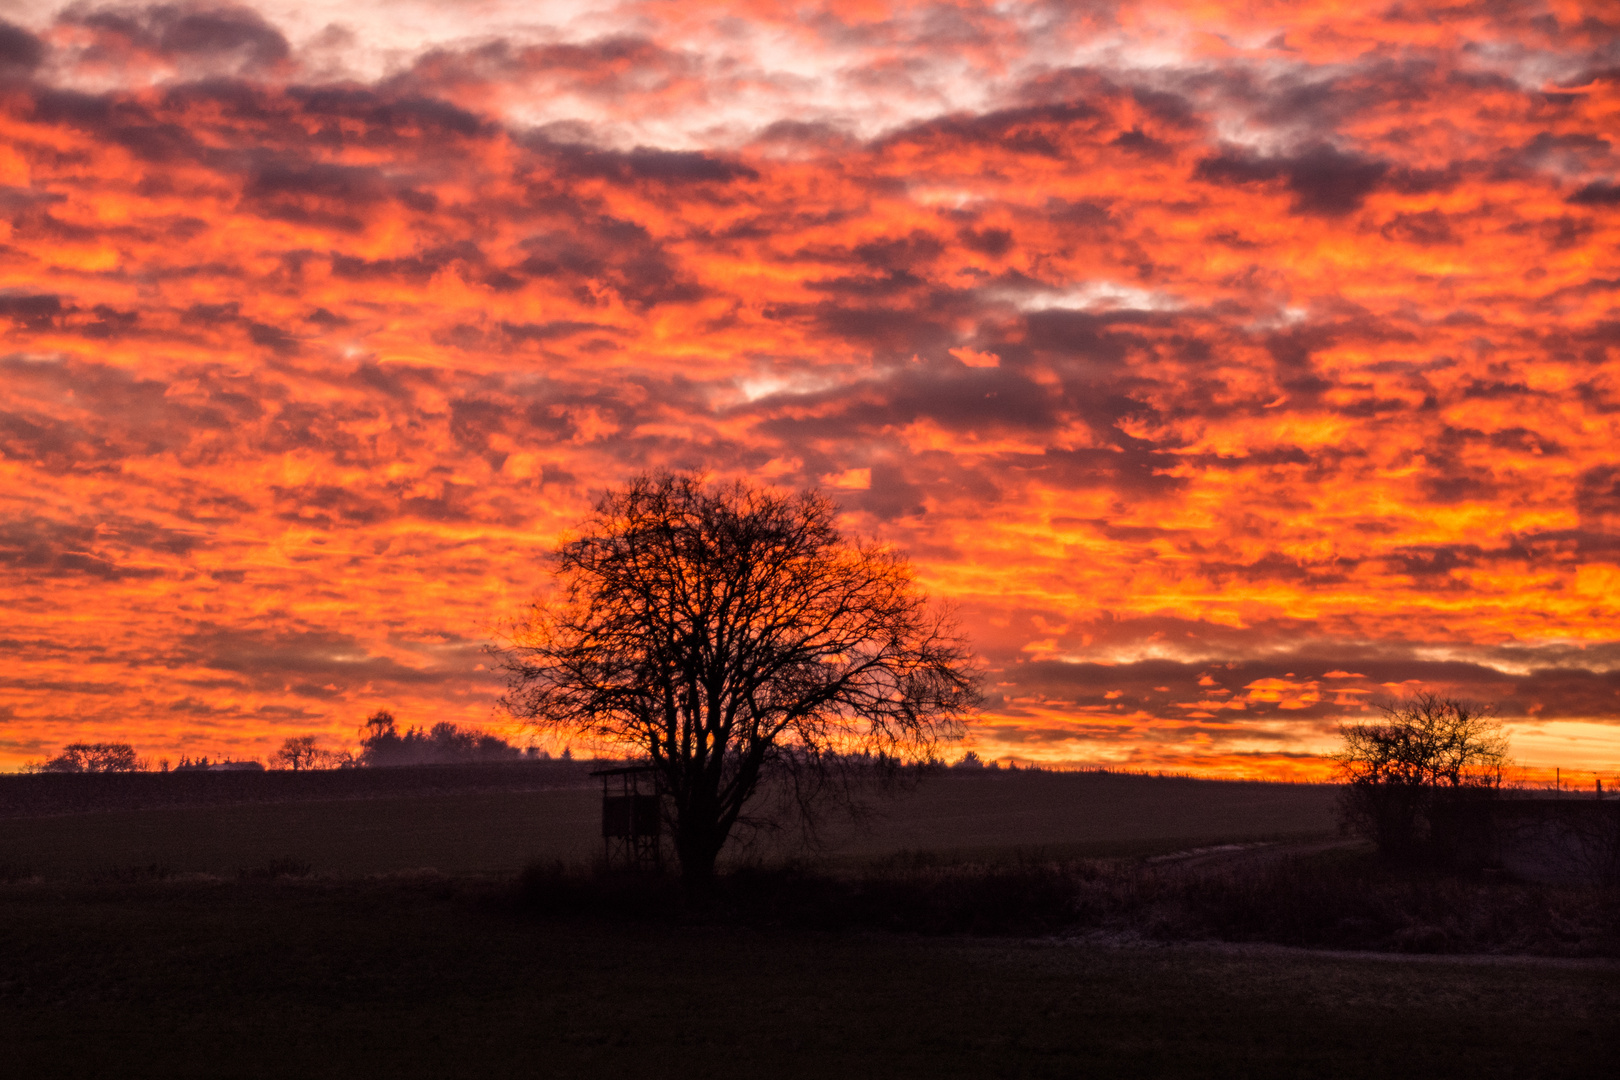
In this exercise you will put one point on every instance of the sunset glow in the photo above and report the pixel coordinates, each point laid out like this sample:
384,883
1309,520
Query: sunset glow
1229,368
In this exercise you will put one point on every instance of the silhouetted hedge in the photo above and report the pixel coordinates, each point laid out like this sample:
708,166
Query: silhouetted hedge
1337,901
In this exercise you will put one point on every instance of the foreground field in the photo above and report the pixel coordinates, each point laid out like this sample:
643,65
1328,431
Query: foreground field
258,934
424,976
500,830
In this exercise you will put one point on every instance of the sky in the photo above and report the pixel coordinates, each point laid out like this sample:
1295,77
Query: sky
1229,368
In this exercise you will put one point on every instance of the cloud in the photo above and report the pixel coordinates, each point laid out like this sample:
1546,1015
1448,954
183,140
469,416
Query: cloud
1202,363
20,51
217,37
1597,193
1322,179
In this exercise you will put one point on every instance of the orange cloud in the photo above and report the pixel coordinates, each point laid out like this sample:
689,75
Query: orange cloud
1269,349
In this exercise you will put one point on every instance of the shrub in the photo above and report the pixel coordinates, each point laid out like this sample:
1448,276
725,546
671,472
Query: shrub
1425,749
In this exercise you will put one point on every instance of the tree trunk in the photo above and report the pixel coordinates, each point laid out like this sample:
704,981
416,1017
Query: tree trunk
697,846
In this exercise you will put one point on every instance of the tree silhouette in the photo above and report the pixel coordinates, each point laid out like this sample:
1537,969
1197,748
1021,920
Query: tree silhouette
94,757
1425,748
298,753
444,743
719,630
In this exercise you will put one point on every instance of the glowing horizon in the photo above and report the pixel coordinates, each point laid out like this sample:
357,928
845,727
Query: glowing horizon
1227,370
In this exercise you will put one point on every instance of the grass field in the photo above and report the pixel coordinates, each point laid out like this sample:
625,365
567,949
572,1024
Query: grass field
981,925
499,831
431,977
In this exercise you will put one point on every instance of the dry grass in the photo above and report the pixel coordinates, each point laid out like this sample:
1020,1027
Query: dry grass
1334,900
987,815
972,931
426,975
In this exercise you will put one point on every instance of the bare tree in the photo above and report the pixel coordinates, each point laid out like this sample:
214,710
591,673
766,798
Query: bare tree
1425,748
721,630
299,752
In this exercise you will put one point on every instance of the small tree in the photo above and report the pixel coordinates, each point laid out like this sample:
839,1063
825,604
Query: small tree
303,752
297,753
94,758
379,726
1425,748
721,630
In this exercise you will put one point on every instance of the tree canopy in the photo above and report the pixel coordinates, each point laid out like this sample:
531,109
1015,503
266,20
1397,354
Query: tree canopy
444,743
718,629
94,757
1395,768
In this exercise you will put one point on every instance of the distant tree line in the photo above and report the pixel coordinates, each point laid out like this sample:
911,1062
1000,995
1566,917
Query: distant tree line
972,762
442,744
93,758
382,744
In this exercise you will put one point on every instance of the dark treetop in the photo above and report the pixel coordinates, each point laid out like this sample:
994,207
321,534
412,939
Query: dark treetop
724,629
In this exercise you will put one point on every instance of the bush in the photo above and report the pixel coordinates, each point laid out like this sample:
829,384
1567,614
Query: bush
1427,748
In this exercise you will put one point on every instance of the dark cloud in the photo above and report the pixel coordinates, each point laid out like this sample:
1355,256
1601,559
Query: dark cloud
112,550
1598,499
189,31
1452,483
890,495
418,268
338,196
1079,334
1320,687
31,311
1043,131
1134,471
1139,142
992,242
980,400
383,118
210,32
272,137
1597,193
900,254
619,253
110,323
115,415
612,67
524,333
1427,228
20,51
664,167
274,338
272,659
328,506
1324,180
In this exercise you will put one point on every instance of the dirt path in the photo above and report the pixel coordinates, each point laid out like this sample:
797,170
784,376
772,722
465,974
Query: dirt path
1229,856
1112,939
